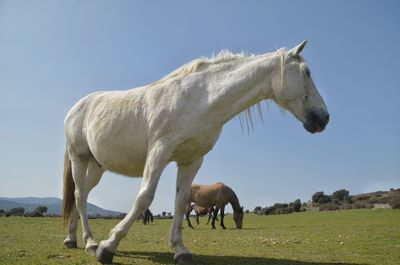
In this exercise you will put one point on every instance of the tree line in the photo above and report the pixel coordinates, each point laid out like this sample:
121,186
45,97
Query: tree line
338,200
40,211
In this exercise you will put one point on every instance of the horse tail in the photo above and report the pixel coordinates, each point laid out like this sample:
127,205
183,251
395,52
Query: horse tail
69,190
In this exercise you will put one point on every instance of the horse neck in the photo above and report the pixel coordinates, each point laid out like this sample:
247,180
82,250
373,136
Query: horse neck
243,86
234,201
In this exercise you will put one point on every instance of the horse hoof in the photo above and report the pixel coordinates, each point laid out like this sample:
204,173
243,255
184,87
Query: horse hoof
223,227
71,244
92,249
104,256
184,259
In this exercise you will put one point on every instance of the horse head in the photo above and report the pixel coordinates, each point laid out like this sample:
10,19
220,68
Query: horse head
295,91
238,217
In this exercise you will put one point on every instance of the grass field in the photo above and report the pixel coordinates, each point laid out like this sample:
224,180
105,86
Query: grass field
344,237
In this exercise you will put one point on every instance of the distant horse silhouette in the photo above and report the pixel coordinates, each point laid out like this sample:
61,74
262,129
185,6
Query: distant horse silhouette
199,211
217,194
147,217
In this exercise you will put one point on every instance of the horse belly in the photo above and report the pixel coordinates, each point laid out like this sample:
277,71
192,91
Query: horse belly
120,150
132,165
196,146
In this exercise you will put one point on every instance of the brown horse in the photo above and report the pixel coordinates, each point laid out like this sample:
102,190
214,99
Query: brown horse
218,195
199,211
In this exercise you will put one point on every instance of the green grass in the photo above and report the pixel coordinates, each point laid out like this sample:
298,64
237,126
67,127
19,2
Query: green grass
344,237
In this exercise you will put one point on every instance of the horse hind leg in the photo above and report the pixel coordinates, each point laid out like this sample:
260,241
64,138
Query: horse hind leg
71,241
188,211
94,174
186,174
86,175
210,215
69,212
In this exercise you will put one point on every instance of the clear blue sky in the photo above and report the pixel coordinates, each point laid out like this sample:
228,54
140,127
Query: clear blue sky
52,53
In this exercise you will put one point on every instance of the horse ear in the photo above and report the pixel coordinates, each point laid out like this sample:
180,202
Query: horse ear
297,50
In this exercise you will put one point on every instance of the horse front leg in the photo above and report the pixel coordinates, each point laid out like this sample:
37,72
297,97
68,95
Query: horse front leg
188,211
215,214
209,217
156,161
222,217
186,174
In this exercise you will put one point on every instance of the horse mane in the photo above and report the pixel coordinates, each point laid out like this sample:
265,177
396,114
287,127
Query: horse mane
196,65
246,117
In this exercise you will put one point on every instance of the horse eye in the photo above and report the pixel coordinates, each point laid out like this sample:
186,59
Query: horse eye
307,70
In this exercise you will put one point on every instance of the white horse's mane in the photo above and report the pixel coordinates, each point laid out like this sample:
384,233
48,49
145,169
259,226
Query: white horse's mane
196,65
246,118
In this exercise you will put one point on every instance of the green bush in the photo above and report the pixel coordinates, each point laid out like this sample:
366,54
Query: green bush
395,203
362,205
328,207
320,197
340,195
296,205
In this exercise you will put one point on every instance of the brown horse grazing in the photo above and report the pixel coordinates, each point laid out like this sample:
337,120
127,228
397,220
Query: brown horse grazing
199,211
218,195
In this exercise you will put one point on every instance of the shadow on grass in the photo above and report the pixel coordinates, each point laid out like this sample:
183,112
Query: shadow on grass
167,258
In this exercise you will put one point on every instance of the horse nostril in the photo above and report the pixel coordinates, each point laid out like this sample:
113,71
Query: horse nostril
327,118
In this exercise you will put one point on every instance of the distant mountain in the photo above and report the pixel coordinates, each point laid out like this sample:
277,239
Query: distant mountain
53,205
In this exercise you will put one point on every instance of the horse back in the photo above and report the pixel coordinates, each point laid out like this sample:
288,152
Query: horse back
210,195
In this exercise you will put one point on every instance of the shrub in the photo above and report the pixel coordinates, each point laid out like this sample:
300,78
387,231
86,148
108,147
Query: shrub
362,205
395,203
280,205
346,206
267,210
320,197
362,197
328,207
257,209
285,210
316,197
296,205
340,195
379,199
19,211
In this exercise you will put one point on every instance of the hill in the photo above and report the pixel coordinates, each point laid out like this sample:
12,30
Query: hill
378,197
53,205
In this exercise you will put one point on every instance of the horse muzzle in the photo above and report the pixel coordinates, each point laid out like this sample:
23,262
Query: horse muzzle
316,122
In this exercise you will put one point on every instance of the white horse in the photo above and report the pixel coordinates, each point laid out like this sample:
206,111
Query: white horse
178,118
